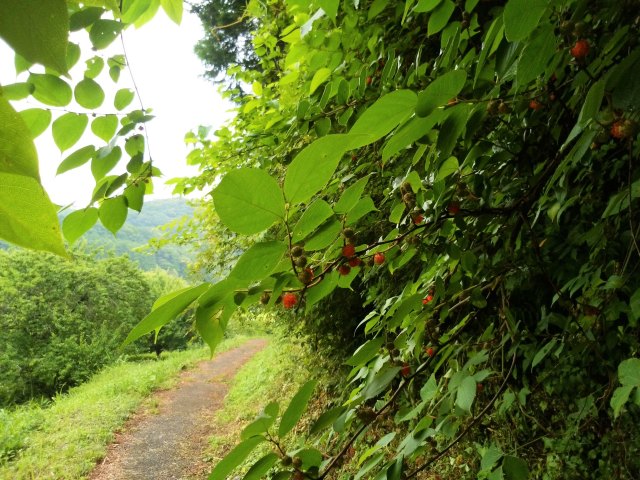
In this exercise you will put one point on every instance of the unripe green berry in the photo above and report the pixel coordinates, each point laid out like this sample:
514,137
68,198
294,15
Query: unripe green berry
296,251
301,262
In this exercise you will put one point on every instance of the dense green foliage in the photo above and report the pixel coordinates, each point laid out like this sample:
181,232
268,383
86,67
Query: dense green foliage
481,158
63,320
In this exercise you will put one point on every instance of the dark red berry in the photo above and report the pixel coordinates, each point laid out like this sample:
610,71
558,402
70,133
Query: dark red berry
418,219
430,352
453,208
344,269
426,300
355,262
535,105
580,49
348,251
378,258
405,370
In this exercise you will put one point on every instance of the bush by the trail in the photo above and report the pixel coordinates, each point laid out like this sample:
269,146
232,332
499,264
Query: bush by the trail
63,320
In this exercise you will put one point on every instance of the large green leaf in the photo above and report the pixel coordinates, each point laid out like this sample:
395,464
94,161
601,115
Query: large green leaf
366,352
380,382
89,94
265,419
17,151
77,223
123,98
76,159
521,17
440,91
27,216
104,32
592,102
68,129
619,398
261,467
173,9
316,293
536,55
514,468
113,213
629,372
466,393
314,216
314,166
410,132
327,418
296,408
259,261
37,29
36,119
164,310
440,17
209,325
105,127
321,76
104,161
351,196
384,115
249,201
50,89
234,458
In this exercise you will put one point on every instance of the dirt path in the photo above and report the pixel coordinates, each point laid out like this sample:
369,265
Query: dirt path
168,445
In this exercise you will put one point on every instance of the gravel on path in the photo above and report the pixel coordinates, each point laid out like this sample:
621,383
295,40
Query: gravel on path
168,445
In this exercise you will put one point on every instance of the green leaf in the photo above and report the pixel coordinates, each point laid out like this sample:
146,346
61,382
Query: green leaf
424,6
490,458
440,91
104,161
104,32
365,352
77,223
105,127
536,55
314,166
543,353
132,10
448,168
27,216
327,418
412,131
36,119
384,115
173,9
94,67
634,304
261,467
521,17
16,91
113,213
259,261
364,206
376,8
234,458
296,408
330,7
85,17
350,197
248,201
321,76
466,393
440,17
89,94
123,98
380,382
592,103
38,30
165,309
17,152
51,90
134,194
261,424
321,290
629,372
324,236
515,468
68,129
314,216
209,325
619,398
76,159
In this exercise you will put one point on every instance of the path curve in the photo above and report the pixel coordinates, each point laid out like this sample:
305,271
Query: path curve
168,445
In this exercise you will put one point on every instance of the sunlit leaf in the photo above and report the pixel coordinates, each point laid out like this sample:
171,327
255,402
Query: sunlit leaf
17,151
77,223
68,129
296,408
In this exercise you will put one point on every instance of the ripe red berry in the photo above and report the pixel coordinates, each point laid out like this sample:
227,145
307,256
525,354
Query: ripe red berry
369,79
426,300
622,129
289,300
355,262
479,387
344,269
378,258
430,351
405,370
535,105
348,251
453,208
418,219
580,49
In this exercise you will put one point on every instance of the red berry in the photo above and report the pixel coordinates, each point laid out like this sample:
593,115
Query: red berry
348,251
344,269
453,208
580,49
405,370
418,219
378,258
289,300
369,80
426,300
355,262
622,129
535,105
479,387
430,351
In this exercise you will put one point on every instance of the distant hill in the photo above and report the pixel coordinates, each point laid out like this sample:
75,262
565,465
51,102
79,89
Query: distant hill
139,229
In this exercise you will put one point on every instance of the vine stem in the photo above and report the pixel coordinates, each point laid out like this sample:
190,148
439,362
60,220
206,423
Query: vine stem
475,420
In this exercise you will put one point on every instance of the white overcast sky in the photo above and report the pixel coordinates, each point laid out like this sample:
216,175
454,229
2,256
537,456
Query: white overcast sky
168,76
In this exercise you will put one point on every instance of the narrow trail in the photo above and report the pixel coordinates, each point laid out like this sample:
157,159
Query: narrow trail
168,445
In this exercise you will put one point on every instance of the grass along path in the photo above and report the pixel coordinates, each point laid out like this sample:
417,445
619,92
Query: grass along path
65,439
